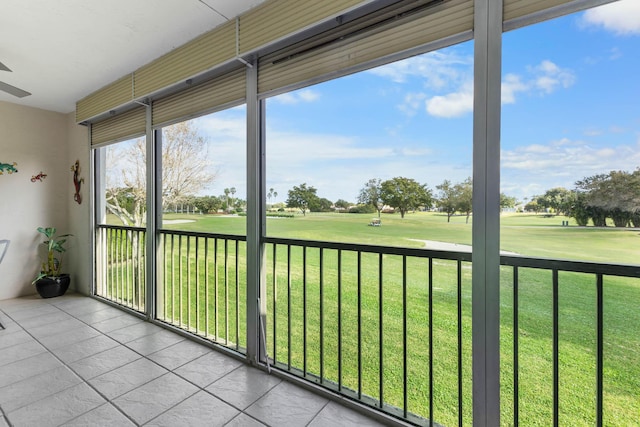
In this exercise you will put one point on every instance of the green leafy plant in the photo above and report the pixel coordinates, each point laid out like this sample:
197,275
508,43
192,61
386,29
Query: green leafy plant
55,244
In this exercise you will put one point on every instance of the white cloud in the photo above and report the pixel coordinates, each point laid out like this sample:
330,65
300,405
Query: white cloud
412,103
566,158
439,69
620,17
548,76
296,97
511,85
454,104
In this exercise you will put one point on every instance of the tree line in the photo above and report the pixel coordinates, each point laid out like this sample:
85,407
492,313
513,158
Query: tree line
615,195
399,193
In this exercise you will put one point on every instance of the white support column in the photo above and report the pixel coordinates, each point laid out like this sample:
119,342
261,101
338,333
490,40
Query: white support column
486,212
153,186
256,302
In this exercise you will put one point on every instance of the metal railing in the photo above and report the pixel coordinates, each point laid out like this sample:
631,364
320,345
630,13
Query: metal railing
390,327
201,285
121,265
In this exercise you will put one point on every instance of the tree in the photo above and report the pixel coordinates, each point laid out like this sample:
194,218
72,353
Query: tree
207,204
301,197
447,198
558,199
232,190
465,197
615,195
405,194
185,168
370,194
533,205
320,204
507,201
342,204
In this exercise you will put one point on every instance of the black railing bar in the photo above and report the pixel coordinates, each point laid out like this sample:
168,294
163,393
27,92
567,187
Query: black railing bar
197,267
204,234
460,417
215,287
516,349
430,314
321,284
405,405
128,270
120,227
206,287
556,352
173,280
289,307
180,280
189,282
165,274
386,250
275,299
571,266
380,330
304,311
599,349
359,267
226,292
237,299
339,320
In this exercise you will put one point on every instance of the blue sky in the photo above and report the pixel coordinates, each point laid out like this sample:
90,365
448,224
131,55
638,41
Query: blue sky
570,109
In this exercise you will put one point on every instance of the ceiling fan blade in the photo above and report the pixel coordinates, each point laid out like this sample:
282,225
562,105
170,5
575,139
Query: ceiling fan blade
12,90
4,67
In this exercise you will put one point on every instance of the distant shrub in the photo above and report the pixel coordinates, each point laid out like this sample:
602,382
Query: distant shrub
362,209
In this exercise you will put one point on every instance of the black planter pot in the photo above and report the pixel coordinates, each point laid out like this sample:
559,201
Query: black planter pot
49,287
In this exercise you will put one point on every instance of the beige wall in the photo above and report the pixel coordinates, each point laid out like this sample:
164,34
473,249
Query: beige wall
39,140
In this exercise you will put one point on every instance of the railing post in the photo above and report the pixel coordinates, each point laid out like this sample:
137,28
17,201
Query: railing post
154,199
486,212
256,294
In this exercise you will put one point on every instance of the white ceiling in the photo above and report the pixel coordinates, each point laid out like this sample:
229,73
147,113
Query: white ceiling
63,50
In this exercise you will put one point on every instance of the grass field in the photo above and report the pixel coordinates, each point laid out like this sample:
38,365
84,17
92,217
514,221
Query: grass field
528,235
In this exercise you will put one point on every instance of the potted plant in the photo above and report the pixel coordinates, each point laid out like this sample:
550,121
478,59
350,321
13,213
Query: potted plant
51,282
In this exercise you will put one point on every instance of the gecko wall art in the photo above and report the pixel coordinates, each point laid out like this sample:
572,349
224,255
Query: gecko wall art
8,167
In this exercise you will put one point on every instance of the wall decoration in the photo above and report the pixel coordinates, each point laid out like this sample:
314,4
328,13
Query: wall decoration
77,181
9,168
40,177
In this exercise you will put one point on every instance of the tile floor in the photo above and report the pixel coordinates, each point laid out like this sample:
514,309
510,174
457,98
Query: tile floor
75,361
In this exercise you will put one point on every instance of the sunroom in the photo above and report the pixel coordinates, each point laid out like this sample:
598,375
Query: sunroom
212,285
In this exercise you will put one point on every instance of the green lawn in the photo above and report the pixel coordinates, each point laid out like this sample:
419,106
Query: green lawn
531,235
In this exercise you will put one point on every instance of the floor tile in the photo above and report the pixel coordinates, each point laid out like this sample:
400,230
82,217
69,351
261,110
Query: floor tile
45,319
133,332
72,336
201,409
58,408
22,393
82,306
179,354
21,314
54,328
99,316
85,348
152,399
208,368
116,323
11,337
154,342
3,422
108,360
334,414
244,420
102,416
26,368
243,386
126,378
20,351
287,405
